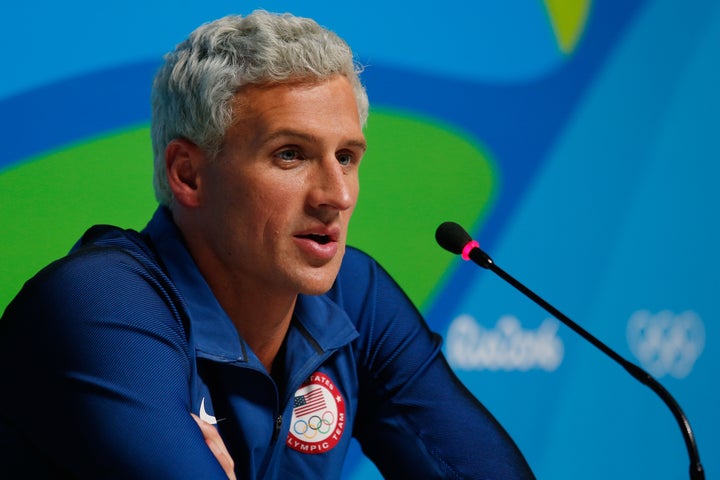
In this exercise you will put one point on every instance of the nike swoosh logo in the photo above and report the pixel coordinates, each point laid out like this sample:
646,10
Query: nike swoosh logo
204,416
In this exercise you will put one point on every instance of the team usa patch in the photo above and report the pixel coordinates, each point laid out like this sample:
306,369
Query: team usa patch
318,418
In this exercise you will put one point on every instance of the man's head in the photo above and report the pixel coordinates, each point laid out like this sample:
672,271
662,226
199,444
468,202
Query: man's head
193,92
258,133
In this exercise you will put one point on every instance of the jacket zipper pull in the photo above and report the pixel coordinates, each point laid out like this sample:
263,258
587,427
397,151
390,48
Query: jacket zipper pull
278,427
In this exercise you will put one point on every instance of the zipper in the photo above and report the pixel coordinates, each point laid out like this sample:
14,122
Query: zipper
278,427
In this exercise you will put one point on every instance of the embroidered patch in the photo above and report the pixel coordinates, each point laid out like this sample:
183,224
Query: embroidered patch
318,418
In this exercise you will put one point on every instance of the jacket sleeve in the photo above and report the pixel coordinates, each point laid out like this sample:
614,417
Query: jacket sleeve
415,419
95,364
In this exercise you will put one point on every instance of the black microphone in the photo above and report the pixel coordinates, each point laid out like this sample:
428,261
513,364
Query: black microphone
453,238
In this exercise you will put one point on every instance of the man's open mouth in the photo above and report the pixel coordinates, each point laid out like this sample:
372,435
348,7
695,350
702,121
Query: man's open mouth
321,239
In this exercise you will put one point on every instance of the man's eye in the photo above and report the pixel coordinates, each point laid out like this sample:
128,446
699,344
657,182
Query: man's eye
289,155
345,159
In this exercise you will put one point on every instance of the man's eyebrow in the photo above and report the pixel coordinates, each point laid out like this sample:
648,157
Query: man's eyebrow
360,143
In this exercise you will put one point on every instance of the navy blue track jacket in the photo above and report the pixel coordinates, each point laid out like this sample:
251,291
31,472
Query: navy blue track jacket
104,354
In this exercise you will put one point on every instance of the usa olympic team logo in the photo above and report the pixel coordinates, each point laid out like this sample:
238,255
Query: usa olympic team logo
318,418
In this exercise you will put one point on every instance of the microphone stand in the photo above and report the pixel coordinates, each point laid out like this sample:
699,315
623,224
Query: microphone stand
696,470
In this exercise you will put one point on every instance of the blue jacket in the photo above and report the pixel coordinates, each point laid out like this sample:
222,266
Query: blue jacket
105,353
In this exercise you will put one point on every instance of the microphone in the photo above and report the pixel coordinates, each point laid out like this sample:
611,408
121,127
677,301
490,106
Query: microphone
453,238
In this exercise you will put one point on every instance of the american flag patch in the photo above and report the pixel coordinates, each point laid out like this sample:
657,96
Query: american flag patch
309,403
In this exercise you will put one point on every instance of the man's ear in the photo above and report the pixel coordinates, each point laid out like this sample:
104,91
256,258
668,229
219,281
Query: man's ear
183,160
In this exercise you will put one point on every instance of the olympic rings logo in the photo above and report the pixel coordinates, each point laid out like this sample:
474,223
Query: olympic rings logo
666,343
314,425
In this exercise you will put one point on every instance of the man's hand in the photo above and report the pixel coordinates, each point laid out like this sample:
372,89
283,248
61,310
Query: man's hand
217,447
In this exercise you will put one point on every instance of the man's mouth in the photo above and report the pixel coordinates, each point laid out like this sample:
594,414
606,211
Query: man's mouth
319,243
321,239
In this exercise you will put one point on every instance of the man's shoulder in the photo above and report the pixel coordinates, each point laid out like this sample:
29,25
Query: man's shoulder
112,238
360,279
101,248
359,265
356,258
110,270
104,255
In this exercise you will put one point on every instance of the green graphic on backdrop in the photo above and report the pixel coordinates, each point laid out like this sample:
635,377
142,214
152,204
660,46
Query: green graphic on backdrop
50,200
568,20
415,175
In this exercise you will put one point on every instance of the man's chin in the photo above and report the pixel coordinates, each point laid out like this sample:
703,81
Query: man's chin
317,287
320,281
315,293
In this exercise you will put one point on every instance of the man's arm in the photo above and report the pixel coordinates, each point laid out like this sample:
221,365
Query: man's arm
96,373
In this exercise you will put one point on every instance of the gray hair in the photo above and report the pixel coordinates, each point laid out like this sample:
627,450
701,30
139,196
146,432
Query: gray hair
193,91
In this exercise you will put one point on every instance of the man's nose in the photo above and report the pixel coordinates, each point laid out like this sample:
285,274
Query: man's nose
334,186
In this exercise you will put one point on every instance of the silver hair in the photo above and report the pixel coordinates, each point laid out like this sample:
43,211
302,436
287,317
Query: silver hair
193,91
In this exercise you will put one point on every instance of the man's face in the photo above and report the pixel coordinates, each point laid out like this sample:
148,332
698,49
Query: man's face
277,202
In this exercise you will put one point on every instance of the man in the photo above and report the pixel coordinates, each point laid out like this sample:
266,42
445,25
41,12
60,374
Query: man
238,308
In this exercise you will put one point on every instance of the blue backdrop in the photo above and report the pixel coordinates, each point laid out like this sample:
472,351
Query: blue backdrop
601,119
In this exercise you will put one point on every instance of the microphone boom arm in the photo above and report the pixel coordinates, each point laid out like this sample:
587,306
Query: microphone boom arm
453,238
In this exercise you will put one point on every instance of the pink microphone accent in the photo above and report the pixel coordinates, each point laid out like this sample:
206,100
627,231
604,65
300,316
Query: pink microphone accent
468,248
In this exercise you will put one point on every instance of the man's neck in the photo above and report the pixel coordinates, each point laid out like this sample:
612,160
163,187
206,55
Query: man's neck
262,320
260,315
